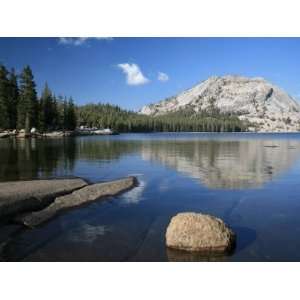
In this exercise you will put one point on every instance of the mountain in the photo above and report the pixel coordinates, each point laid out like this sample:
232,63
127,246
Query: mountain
267,107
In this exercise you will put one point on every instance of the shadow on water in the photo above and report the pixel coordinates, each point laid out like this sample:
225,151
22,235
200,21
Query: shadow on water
244,237
19,245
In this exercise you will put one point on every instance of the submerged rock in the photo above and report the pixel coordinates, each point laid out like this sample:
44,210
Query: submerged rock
19,196
199,232
78,197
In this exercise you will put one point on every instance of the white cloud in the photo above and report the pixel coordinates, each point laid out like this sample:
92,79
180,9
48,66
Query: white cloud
134,75
79,41
162,76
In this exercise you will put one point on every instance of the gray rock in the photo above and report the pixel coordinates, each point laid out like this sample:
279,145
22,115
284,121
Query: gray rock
8,133
199,232
22,135
54,134
87,194
59,134
4,135
19,196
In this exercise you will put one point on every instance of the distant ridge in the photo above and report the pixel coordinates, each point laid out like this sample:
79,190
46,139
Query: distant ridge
267,107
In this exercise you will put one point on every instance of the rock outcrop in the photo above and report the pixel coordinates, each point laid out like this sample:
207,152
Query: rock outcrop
58,134
4,135
200,233
86,194
263,104
7,133
20,196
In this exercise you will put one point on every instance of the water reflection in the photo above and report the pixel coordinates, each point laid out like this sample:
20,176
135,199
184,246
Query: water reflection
226,164
31,158
46,158
132,226
87,233
184,256
135,195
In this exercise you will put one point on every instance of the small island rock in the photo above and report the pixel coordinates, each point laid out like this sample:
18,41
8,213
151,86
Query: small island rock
199,232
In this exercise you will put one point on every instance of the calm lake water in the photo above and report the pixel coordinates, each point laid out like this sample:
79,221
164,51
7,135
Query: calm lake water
251,181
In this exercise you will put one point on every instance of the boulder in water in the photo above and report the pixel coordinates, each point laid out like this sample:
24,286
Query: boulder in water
199,232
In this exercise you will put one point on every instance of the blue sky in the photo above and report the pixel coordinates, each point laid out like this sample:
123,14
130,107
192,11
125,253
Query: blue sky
132,72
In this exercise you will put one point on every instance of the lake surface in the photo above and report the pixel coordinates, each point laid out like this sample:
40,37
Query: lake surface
249,180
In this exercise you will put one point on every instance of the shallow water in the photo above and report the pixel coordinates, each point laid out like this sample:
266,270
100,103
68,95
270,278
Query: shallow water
249,180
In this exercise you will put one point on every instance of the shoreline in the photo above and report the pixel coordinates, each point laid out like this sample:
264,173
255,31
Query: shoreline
64,134
53,134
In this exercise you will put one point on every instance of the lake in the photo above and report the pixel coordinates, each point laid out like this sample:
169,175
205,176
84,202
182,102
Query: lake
249,180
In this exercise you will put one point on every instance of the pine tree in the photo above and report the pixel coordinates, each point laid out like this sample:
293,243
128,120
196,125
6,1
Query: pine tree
65,115
13,98
71,115
55,113
4,116
28,103
46,119
60,112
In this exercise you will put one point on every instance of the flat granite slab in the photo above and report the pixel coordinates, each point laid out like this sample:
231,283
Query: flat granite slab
20,196
85,195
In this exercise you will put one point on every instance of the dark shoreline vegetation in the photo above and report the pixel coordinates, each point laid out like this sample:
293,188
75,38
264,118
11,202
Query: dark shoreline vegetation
22,108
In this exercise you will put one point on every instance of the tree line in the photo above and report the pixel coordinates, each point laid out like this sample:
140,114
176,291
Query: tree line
112,116
21,108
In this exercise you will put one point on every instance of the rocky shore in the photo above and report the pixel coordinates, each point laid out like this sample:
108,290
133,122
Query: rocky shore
36,201
20,196
78,197
189,236
53,134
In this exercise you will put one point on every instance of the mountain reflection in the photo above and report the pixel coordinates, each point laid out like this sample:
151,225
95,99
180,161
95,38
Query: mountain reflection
226,164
